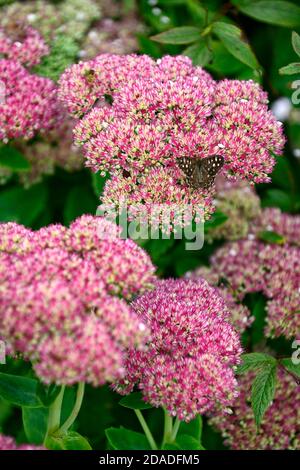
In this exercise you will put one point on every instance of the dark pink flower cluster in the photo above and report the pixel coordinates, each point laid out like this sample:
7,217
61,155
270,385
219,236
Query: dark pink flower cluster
165,110
23,45
8,443
188,366
56,301
240,315
251,265
280,427
29,104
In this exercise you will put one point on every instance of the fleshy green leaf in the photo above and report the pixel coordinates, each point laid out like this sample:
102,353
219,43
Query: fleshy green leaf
277,198
296,42
198,12
199,53
181,35
35,422
289,365
263,391
232,38
12,159
135,401
217,219
172,446
259,313
271,11
23,205
47,394
98,183
125,439
271,237
19,390
187,442
290,69
69,441
80,200
193,428
254,361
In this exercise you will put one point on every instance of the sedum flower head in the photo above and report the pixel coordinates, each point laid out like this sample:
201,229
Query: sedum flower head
137,116
187,367
22,44
57,299
151,97
251,265
30,103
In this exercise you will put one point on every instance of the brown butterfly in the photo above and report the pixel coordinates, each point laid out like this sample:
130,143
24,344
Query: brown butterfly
201,173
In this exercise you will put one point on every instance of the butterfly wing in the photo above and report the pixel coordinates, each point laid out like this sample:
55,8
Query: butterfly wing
201,173
208,168
190,169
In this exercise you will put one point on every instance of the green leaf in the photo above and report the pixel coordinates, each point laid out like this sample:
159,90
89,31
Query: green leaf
35,422
12,159
125,439
263,390
277,198
198,12
98,182
271,237
172,446
217,219
181,35
193,428
19,390
187,442
47,394
296,42
199,53
290,69
283,174
158,248
135,401
23,205
254,361
271,11
80,200
69,441
259,313
289,365
232,38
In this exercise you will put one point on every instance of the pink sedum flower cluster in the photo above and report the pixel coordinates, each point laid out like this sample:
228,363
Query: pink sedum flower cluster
251,265
138,117
29,104
188,366
165,110
240,315
280,427
8,443
22,44
60,298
